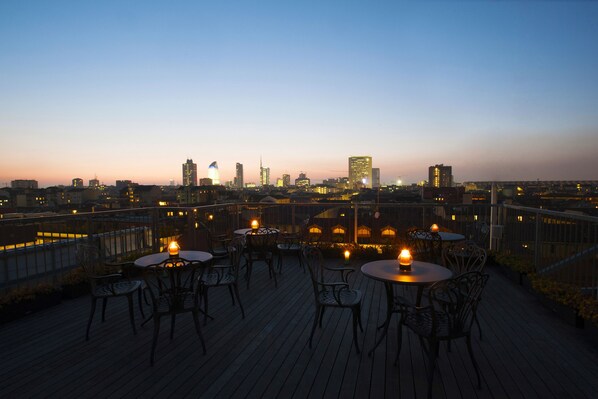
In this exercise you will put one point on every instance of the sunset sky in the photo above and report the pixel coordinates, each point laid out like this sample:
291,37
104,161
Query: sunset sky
500,90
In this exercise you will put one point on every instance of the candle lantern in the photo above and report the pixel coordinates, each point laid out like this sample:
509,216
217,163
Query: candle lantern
405,260
173,249
255,225
434,228
347,256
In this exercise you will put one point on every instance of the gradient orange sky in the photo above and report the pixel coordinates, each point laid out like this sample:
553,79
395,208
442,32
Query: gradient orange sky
498,90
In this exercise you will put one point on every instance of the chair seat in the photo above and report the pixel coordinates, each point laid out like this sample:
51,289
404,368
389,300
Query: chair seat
117,289
289,247
212,279
420,322
346,298
185,301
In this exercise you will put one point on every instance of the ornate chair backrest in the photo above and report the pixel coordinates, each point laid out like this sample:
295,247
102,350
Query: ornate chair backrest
463,257
261,242
172,280
455,301
478,232
425,246
90,259
312,257
235,253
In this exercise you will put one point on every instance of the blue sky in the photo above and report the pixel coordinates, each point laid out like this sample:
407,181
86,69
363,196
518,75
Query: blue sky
131,89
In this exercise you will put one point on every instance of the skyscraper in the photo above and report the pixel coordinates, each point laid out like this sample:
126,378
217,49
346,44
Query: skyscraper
239,176
264,175
77,182
360,172
375,177
213,173
286,180
189,173
440,176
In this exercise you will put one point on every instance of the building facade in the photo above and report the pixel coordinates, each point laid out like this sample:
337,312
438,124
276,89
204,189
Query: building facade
440,176
189,173
376,177
360,172
238,182
213,173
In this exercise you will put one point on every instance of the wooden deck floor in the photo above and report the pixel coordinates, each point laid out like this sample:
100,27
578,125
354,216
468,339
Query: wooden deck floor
526,352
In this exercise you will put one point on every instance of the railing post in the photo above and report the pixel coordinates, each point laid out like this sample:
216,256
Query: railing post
355,222
537,248
155,231
293,218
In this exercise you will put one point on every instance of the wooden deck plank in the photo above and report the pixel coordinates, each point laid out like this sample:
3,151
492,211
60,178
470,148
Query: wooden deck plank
525,351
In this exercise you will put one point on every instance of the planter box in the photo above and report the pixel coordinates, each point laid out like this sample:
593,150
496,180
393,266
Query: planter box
75,290
17,310
565,313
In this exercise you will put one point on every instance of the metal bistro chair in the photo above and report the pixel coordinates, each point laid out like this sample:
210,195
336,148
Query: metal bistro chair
335,294
424,245
290,244
261,247
224,275
448,316
106,283
462,257
173,290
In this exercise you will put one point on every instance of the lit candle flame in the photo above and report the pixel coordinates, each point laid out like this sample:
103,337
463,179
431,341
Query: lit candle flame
434,228
173,248
405,258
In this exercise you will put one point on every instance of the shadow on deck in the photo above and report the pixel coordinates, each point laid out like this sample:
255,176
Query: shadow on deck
525,350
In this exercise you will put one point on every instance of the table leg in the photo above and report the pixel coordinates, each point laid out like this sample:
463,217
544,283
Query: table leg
389,311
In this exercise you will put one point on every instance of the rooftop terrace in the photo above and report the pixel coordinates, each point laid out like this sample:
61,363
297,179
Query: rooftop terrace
525,352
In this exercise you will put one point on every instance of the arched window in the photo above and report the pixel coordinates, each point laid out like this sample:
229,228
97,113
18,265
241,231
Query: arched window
364,232
315,229
388,232
338,229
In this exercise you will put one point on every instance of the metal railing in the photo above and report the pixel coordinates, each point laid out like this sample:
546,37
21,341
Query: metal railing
562,245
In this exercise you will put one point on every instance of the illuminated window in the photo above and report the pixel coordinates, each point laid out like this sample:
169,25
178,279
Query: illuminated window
364,232
338,230
475,217
389,232
453,217
520,218
315,229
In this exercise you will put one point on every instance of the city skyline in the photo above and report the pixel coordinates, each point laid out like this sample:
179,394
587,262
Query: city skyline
497,90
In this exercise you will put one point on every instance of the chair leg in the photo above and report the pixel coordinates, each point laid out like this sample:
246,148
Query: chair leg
317,317
198,329
355,322
475,364
279,263
155,338
232,295
104,304
432,353
236,288
273,272
131,312
139,295
205,306
92,311
172,321
322,309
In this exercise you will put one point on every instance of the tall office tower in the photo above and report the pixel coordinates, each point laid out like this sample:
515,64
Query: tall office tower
440,176
189,173
286,180
239,176
19,183
78,182
360,172
375,177
302,180
279,182
94,183
264,175
213,173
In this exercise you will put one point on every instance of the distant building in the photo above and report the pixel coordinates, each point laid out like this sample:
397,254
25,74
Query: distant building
341,183
302,180
213,173
205,181
264,175
440,176
77,182
279,182
94,183
286,180
120,184
189,173
23,184
360,172
238,182
375,177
